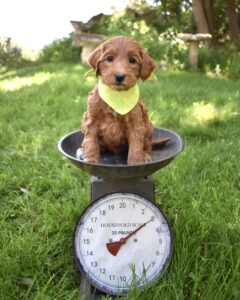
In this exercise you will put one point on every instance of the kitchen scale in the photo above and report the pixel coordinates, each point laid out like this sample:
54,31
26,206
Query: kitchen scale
122,240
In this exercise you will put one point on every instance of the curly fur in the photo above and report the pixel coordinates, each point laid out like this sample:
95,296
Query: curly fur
103,128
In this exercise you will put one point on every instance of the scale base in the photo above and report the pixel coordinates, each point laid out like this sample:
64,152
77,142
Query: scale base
88,292
143,187
114,175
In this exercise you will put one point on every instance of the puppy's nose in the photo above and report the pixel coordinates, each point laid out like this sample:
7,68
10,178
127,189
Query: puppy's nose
120,77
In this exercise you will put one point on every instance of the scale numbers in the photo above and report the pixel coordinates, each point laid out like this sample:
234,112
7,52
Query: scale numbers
122,240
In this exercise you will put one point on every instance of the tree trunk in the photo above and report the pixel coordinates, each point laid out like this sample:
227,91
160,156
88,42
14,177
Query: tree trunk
233,21
200,17
208,11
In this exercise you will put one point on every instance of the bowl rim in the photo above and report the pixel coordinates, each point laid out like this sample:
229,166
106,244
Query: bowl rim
181,148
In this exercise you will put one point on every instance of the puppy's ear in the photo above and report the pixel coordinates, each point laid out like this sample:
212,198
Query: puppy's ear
94,58
147,66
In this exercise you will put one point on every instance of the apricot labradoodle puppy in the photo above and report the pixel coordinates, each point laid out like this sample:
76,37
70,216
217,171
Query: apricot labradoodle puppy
116,118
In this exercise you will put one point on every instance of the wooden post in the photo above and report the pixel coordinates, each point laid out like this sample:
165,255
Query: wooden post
193,54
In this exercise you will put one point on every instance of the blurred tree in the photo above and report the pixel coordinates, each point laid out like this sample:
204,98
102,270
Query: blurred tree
233,20
203,13
164,14
219,18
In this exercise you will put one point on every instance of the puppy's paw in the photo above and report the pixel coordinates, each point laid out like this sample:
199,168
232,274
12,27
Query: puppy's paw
147,158
135,160
91,160
79,154
88,156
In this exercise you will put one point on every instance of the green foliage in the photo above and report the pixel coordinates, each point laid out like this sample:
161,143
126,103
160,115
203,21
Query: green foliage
60,50
175,51
164,47
10,56
163,15
42,194
156,25
221,62
170,52
179,14
233,66
13,56
221,19
124,23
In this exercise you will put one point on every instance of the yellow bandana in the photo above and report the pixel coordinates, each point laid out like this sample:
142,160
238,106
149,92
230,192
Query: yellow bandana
90,73
120,101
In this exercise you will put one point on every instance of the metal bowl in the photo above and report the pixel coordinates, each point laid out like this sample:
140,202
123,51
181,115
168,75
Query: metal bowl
115,165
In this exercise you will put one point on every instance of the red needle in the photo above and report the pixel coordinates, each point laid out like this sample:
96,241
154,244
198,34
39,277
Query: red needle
114,247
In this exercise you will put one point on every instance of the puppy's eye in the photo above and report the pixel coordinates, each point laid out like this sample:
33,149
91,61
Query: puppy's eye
132,60
109,58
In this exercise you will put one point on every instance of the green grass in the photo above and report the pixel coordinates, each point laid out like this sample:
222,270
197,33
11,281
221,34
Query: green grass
198,191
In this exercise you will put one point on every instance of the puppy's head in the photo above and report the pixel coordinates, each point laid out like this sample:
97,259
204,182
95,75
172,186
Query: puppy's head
121,61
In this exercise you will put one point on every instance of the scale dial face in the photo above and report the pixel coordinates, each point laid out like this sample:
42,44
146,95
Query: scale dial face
122,240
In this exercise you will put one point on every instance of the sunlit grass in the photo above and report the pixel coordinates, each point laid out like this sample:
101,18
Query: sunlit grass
19,82
42,195
14,82
202,113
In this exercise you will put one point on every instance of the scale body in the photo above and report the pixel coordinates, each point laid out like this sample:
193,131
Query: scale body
114,180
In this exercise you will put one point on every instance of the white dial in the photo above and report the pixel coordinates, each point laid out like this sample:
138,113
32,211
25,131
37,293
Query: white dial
121,240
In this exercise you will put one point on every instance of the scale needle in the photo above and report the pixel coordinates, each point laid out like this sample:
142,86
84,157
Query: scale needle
114,247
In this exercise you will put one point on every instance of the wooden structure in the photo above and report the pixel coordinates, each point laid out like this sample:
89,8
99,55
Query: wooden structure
83,37
194,40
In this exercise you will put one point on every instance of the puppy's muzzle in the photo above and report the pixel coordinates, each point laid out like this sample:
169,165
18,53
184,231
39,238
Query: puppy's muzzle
119,77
